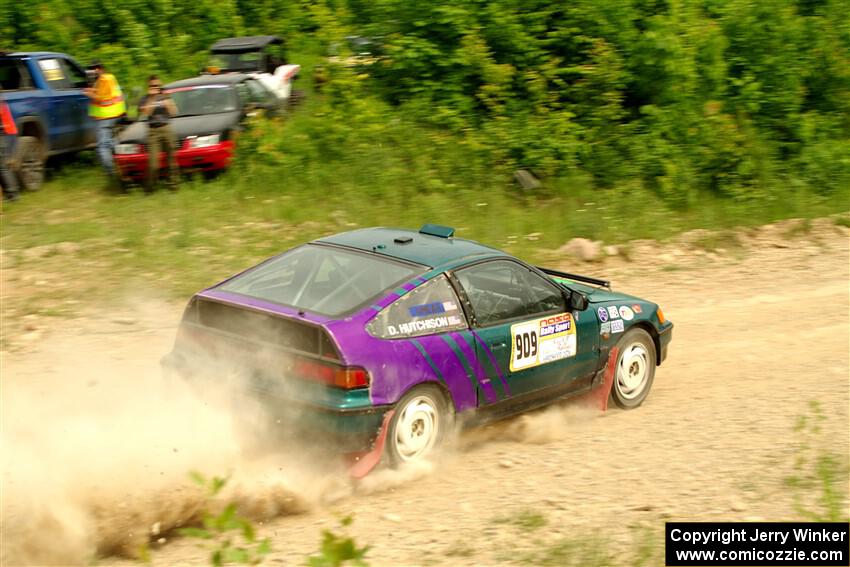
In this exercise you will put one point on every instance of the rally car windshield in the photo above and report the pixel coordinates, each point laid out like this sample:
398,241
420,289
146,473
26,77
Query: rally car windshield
322,279
196,101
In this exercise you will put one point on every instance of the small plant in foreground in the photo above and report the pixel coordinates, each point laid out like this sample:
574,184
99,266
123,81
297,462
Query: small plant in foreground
222,530
338,549
526,520
460,549
819,479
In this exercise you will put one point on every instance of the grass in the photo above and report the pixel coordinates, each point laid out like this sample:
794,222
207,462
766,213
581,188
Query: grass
819,478
719,240
530,545
570,552
460,549
526,520
290,186
798,229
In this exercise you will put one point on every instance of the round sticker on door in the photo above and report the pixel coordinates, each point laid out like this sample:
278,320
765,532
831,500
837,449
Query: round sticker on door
603,314
626,313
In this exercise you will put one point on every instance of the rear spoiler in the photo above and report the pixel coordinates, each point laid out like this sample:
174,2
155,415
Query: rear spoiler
576,277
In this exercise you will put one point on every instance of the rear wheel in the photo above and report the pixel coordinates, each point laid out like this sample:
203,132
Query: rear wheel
421,422
635,369
30,157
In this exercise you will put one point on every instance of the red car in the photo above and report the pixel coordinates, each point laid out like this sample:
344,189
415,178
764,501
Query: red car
211,111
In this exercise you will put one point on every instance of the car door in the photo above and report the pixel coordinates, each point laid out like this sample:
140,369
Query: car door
522,326
64,120
82,123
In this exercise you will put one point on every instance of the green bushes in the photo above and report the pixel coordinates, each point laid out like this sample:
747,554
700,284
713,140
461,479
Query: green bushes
685,98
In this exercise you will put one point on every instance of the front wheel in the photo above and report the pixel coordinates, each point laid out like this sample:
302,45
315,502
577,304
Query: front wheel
421,422
635,369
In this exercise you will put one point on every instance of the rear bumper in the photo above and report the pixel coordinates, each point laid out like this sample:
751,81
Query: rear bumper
336,429
305,410
664,338
211,158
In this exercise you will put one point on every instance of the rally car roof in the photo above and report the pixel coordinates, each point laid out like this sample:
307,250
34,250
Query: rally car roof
423,249
204,80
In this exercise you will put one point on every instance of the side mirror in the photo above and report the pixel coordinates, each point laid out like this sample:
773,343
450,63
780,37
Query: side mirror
578,302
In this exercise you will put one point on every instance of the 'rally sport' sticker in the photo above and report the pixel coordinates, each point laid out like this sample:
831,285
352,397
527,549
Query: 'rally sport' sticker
542,340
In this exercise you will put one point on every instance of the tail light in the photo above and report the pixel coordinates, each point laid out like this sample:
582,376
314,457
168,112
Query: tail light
6,120
345,377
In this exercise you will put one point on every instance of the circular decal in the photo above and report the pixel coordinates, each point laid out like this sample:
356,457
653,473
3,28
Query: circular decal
626,313
603,314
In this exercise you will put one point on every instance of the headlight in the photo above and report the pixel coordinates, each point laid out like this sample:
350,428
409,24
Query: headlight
124,149
204,141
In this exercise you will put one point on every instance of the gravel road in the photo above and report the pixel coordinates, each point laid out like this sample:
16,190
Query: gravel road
762,337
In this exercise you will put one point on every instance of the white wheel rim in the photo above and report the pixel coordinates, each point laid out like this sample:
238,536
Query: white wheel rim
417,428
633,371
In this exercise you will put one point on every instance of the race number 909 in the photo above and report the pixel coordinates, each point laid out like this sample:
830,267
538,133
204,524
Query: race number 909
526,345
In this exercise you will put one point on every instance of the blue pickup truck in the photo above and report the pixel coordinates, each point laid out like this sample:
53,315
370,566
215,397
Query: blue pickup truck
44,93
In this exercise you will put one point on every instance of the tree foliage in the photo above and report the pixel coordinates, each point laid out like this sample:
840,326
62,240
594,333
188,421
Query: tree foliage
683,96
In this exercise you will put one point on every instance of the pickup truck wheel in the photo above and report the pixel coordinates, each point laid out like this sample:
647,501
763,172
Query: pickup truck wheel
30,159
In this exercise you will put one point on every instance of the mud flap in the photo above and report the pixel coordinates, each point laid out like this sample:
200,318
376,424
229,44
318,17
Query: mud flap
600,395
365,462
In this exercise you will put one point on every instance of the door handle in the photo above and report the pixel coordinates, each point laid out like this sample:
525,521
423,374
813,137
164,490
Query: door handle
499,346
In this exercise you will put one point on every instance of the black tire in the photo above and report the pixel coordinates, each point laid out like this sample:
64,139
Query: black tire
30,158
213,175
635,370
424,408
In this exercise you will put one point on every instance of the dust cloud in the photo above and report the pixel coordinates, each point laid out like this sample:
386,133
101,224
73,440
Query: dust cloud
553,423
98,444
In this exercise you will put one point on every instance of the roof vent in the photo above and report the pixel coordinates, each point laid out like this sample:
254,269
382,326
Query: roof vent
403,239
437,230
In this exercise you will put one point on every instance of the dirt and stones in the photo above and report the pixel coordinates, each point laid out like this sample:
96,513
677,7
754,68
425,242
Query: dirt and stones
762,333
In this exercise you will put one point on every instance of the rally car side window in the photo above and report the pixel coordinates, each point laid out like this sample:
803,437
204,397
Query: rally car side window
431,308
502,290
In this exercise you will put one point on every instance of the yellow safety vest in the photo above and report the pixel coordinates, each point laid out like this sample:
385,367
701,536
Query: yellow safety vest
110,99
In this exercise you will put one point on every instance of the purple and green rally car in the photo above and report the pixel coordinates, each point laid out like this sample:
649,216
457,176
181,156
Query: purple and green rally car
383,337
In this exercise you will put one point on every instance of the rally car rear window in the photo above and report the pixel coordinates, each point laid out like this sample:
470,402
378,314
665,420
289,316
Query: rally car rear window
322,279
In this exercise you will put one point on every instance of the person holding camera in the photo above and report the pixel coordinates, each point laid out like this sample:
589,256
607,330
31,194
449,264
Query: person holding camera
159,109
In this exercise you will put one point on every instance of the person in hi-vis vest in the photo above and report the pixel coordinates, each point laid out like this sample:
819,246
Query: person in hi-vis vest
106,105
